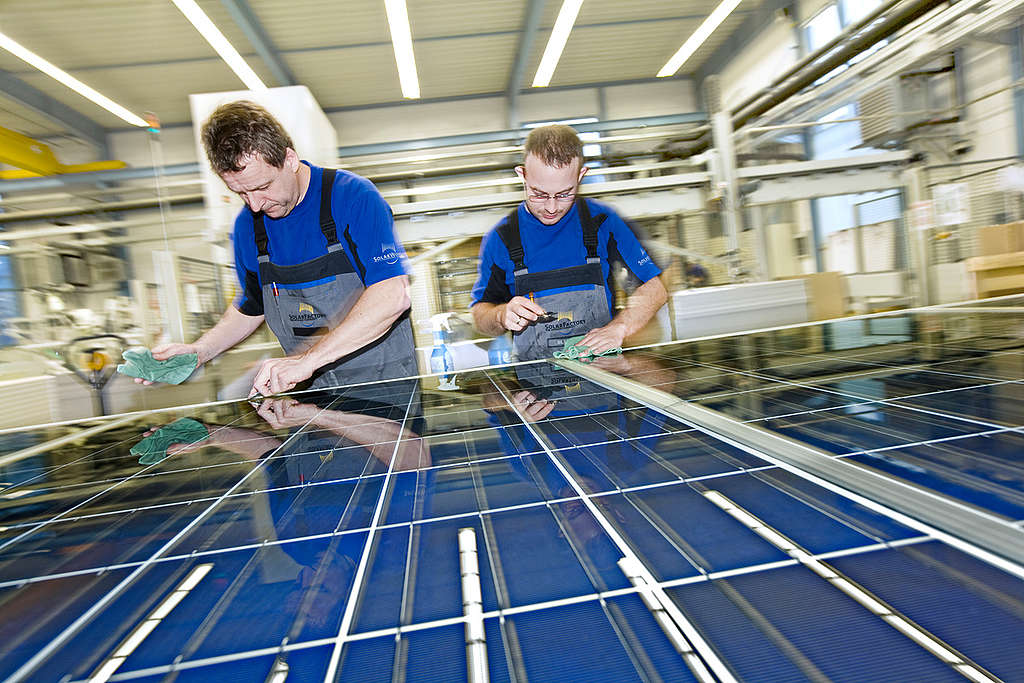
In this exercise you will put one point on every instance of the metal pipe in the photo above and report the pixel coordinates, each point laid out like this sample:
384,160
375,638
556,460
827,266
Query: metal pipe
821,63
901,17
473,608
817,54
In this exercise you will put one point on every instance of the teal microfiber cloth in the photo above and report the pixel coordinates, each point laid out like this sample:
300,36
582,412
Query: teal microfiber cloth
174,370
573,352
153,448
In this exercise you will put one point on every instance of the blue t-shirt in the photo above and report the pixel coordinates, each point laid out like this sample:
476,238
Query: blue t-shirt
551,247
365,230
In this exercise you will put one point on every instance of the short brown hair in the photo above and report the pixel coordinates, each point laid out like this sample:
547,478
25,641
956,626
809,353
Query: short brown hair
239,129
555,144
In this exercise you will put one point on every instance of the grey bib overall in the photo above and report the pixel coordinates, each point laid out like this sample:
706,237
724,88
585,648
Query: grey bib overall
299,313
577,311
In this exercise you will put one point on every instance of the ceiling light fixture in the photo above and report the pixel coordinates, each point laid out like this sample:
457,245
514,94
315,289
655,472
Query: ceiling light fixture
556,43
706,28
70,81
218,42
401,40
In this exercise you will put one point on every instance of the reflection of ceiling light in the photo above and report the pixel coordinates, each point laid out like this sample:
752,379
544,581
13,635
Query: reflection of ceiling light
219,43
556,43
401,40
699,36
18,494
70,81
128,646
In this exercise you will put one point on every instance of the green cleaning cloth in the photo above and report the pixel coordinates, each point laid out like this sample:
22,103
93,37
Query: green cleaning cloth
153,448
573,352
174,370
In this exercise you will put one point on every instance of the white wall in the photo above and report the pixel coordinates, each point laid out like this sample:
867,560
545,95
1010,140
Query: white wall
769,54
990,122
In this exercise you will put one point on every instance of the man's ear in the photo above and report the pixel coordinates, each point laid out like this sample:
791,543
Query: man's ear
521,172
291,160
583,171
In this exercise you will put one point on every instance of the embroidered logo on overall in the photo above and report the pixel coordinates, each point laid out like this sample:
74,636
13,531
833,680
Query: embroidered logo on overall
564,322
389,254
307,315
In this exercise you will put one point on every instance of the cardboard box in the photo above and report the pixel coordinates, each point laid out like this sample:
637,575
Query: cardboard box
997,274
826,298
1001,239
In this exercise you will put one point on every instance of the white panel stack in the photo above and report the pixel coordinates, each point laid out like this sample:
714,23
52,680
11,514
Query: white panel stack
312,134
709,311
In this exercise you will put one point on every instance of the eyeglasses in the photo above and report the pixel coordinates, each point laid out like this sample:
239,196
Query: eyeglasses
541,198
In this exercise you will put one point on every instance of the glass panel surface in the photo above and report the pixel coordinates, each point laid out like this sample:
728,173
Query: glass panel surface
331,520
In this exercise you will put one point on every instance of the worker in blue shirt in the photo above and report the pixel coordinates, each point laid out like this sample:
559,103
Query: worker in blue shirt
545,269
316,257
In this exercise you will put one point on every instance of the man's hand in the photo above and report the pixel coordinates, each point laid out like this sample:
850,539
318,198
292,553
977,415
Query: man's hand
518,313
165,351
175,448
277,375
531,407
601,339
283,413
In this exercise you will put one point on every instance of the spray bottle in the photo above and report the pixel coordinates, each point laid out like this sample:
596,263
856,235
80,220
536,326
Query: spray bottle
440,357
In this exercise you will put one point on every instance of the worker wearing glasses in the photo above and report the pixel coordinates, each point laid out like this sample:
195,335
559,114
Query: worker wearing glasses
545,269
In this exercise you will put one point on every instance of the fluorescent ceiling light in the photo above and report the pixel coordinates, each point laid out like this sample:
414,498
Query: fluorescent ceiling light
401,39
219,43
556,43
70,81
699,36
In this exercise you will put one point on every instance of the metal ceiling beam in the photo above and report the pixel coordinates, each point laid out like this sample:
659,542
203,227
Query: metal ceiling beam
57,112
246,19
531,24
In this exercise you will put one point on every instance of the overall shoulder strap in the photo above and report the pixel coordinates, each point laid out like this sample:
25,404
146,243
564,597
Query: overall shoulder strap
260,234
327,225
509,234
590,226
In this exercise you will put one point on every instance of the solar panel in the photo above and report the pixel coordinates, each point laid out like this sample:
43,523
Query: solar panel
317,536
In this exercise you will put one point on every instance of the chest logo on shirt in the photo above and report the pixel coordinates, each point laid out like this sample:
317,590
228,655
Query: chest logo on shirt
388,254
307,316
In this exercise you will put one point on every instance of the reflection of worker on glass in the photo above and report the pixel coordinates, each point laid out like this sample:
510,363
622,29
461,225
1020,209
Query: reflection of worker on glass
293,505
544,270
327,425
316,257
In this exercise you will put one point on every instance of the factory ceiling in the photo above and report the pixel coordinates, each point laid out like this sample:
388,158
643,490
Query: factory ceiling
146,56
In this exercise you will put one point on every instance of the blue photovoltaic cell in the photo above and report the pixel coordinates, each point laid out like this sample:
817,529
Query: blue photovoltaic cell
436,654
30,621
976,608
801,522
573,644
651,650
716,540
832,633
368,661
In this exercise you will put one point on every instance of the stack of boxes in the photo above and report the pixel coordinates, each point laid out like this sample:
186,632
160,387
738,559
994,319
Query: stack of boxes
999,267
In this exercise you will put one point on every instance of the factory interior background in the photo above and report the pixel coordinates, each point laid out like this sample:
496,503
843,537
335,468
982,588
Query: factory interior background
807,466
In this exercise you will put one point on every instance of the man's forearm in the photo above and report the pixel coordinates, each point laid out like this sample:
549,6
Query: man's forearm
373,314
642,305
233,327
487,318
